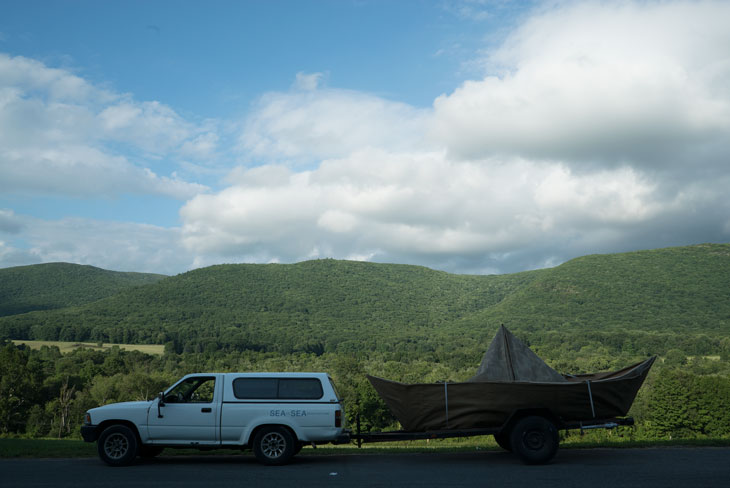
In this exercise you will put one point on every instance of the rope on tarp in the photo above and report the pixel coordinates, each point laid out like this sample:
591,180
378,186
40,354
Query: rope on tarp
590,396
508,356
446,401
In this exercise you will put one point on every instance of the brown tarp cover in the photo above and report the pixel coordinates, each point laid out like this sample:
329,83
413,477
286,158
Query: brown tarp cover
511,377
508,359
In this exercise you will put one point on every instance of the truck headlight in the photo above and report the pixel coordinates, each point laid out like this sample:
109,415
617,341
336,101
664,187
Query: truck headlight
87,419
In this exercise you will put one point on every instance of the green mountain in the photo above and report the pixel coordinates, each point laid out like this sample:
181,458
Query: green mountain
644,301
682,289
59,285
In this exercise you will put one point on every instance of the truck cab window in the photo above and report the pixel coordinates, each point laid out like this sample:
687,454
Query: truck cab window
192,390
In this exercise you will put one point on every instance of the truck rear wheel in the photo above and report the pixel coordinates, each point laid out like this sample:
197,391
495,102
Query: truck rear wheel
534,439
274,446
117,445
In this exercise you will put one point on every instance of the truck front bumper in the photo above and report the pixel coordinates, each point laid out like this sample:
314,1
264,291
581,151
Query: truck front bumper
89,433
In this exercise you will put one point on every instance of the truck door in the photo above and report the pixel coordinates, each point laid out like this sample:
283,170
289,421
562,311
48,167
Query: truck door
189,415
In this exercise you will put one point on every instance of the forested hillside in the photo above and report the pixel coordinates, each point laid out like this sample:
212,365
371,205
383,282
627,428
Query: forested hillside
683,289
59,285
645,302
405,323
308,306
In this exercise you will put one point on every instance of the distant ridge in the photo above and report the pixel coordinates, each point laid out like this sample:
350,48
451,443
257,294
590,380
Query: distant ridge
346,306
679,289
58,285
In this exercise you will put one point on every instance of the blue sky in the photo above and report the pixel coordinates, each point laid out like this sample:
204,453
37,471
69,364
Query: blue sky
472,136
212,59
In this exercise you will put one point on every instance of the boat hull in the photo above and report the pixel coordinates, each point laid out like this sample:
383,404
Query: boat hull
469,405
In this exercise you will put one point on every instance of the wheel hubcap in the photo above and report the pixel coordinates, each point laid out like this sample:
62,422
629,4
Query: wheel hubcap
534,440
116,446
273,445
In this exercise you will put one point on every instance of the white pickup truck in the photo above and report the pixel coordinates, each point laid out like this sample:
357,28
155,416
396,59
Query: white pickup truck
274,414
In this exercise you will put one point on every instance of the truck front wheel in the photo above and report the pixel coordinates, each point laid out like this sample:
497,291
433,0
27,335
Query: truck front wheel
534,439
117,445
274,445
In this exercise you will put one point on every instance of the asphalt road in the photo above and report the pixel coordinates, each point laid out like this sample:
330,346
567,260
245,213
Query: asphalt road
645,468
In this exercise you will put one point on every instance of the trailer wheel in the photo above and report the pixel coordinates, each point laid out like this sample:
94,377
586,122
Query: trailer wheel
273,446
534,439
503,441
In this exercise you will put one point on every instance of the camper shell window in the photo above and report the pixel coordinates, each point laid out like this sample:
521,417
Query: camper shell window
277,389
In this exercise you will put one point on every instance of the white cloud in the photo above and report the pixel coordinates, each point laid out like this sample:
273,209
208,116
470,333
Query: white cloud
419,207
118,246
9,222
151,126
308,81
314,124
81,170
61,135
337,221
598,127
601,128
57,85
644,83
477,10
618,196
201,147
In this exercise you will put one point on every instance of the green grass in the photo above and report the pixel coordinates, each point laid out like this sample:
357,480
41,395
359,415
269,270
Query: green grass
645,443
72,448
45,448
70,346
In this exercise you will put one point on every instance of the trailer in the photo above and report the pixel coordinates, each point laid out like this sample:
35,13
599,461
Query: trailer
532,435
514,396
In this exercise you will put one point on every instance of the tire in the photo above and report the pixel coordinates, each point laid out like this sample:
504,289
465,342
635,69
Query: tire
534,439
298,447
117,445
503,441
150,451
274,446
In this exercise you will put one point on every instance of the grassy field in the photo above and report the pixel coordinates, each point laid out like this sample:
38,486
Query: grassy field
70,346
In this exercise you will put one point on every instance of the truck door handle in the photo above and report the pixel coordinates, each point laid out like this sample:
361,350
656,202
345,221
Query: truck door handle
206,410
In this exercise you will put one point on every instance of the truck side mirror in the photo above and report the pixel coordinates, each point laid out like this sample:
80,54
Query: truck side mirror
161,403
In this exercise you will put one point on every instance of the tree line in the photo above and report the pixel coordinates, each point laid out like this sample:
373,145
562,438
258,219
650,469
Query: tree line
44,393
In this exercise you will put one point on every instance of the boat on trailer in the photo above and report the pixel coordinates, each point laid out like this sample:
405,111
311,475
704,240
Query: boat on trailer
514,396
